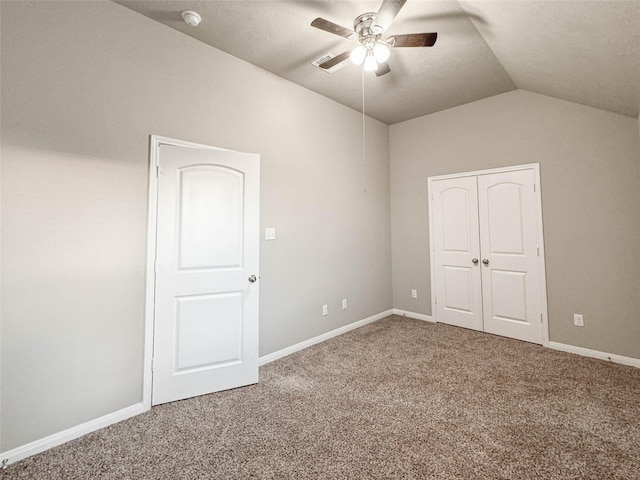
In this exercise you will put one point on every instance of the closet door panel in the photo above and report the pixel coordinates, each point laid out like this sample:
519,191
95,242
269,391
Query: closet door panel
456,245
511,284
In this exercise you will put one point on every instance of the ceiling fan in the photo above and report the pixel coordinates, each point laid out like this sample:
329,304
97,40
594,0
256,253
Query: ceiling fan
372,51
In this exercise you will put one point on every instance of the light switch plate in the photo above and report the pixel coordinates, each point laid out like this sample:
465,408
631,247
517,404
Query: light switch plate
269,233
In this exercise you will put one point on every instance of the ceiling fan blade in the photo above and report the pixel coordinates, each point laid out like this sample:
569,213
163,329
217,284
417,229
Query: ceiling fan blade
383,69
413,40
332,62
334,28
388,11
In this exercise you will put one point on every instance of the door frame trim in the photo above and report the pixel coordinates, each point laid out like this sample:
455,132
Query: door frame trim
155,142
535,167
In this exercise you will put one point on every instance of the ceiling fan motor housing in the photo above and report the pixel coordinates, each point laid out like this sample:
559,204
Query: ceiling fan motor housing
366,30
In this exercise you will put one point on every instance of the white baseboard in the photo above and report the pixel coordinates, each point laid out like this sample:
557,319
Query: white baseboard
321,338
72,433
417,316
586,352
38,446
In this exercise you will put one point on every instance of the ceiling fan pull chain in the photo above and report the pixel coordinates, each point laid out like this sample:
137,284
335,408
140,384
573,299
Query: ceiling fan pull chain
364,140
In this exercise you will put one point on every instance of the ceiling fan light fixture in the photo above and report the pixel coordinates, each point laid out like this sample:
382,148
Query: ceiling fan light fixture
370,63
381,52
358,54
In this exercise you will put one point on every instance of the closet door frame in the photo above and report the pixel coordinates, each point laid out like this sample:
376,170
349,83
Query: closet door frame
535,168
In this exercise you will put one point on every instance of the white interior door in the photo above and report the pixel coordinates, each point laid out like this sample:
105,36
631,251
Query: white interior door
206,304
458,299
510,263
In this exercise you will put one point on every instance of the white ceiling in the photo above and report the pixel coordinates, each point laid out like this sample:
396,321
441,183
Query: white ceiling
586,52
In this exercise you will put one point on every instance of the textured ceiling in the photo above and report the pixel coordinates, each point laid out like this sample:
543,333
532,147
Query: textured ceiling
586,52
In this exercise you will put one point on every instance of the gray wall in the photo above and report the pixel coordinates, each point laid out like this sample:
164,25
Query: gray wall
590,174
84,84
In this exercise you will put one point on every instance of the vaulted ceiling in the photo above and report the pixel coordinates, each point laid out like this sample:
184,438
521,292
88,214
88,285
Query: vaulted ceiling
586,52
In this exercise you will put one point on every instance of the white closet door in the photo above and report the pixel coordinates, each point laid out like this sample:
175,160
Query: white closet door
456,246
510,264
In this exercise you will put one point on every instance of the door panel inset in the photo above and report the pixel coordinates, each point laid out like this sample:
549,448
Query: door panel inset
210,217
208,330
455,215
458,289
509,295
504,203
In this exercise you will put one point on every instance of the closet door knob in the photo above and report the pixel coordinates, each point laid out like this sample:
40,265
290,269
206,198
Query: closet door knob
474,261
485,261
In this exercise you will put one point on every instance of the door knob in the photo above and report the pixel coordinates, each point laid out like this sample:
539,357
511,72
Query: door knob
485,261
474,261
253,278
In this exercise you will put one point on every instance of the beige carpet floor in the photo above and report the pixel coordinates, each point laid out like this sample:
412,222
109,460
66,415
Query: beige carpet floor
396,399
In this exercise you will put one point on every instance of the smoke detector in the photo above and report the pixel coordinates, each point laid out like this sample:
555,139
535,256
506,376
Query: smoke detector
191,18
